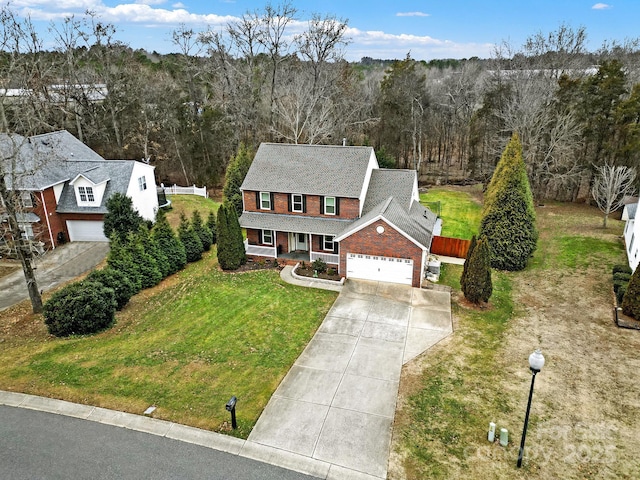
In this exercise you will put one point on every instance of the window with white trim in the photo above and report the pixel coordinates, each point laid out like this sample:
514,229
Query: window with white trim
267,237
26,230
86,194
330,205
265,200
327,242
296,203
142,183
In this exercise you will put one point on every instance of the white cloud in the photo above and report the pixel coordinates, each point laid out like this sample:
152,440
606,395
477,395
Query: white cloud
412,14
150,2
601,6
178,5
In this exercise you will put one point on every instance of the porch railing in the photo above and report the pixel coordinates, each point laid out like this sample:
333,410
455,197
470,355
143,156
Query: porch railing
326,257
259,250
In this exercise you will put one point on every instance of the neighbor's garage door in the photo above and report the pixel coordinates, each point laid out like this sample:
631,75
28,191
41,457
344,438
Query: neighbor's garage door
86,231
382,269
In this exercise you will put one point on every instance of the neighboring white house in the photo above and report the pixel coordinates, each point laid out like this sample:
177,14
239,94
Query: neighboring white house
631,234
66,185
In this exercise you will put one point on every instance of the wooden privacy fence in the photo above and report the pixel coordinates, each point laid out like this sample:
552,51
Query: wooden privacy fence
450,247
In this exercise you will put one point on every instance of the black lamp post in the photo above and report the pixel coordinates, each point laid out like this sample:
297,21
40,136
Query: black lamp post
536,362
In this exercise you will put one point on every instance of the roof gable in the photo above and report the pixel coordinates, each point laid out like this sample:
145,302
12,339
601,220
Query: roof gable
386,183
310,169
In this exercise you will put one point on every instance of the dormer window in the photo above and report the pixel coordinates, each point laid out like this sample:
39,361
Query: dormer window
86,194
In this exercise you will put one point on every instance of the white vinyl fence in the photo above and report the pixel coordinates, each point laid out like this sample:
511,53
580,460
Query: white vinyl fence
176,190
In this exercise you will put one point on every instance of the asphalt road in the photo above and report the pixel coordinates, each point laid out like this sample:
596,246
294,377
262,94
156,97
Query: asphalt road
39,445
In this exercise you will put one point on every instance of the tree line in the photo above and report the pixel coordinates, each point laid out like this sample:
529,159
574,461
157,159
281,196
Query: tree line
188,112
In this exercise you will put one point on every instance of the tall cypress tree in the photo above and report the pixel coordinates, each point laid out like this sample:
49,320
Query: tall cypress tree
202,230
231,253
190,239
508,219
121,217
465,267
478,286
169,243
212,224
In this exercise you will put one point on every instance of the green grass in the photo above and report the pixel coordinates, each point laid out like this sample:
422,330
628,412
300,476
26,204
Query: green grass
187,204
185,346
449,404
460,214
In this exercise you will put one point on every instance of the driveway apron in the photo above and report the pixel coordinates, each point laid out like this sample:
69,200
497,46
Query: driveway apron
337,402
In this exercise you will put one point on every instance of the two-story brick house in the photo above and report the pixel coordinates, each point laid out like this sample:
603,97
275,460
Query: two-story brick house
334,202
64,186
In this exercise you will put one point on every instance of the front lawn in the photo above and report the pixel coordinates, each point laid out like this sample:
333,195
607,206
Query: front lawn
185,346
584,417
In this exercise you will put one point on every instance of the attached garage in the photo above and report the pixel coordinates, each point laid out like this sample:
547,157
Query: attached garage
379,268
86,231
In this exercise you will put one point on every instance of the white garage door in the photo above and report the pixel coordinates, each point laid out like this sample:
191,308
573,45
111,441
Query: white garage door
86,231
381,269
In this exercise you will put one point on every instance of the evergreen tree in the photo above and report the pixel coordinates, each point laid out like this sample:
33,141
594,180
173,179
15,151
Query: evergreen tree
631,299
478,286
236,171
231,253
151,247
211,223
190,240
169,243
202,230
143,261
508,219
465,267
121,217
120,259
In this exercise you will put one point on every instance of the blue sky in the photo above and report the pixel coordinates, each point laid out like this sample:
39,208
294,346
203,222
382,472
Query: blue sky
378,29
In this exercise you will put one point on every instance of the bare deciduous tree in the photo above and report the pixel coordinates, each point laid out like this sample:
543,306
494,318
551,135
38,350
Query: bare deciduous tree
611,184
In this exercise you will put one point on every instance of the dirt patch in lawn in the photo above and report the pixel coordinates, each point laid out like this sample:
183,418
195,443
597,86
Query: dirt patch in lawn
585,416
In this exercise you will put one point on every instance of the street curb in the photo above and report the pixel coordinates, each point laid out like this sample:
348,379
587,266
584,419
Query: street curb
184,433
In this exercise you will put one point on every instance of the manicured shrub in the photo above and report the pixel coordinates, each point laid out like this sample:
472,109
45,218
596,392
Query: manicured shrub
508,218
631,300
169,243
620,293
190,240
120,259
202,230
617,284
622,276
319,265
622,268
80,308
122,287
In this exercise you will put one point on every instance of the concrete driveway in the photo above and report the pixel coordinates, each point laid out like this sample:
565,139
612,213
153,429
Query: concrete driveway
64,263
336,404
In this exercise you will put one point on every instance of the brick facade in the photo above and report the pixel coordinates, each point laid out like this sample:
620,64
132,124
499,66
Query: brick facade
349,208
391,243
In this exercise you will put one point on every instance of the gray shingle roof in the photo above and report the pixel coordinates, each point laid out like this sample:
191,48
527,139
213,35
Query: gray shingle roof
417,223
118,172
387,183
309,169
292,223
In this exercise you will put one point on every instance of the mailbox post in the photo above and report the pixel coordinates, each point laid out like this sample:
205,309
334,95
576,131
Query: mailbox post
231,407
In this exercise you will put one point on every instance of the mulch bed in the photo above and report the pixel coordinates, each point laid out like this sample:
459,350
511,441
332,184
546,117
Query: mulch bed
307,271
625,322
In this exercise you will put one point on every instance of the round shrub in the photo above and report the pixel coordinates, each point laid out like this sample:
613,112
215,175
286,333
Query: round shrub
319,265
80,308
622,276
622,269
619,283
620,293
122,287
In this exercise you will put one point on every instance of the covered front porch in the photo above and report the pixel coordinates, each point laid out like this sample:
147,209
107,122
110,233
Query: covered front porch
292,246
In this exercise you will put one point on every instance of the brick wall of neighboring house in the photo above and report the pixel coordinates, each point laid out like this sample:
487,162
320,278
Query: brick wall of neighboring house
391,243
52,222
282,241
349,208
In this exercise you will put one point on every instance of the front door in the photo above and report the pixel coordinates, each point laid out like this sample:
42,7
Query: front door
301,241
